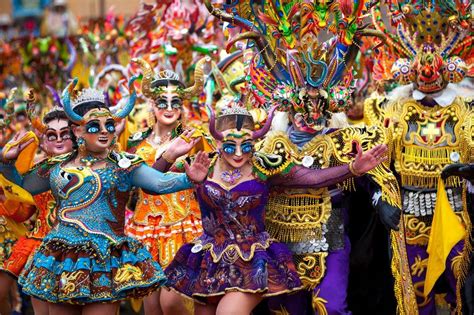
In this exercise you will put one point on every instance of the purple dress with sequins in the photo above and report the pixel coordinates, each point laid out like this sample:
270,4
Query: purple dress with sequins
234,253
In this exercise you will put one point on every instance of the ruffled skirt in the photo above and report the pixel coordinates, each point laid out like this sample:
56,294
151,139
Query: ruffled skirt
20,253
60,273
163,242
269,271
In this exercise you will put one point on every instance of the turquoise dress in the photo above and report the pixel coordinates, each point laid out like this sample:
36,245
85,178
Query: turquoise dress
86,257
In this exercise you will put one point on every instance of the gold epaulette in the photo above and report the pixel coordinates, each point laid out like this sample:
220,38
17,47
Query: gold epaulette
275,155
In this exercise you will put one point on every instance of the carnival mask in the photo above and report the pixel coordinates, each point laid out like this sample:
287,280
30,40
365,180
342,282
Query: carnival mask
429,71
168,106
237,147
57,137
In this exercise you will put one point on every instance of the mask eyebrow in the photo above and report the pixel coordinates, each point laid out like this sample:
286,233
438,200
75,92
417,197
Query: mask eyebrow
94,121
237,135
64,128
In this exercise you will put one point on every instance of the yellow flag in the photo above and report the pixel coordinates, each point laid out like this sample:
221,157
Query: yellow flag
446,231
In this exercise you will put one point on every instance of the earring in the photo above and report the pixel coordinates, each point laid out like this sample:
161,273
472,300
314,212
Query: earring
151,119
81,143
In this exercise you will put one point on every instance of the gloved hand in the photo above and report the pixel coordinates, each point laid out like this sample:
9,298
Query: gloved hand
465,171
389,215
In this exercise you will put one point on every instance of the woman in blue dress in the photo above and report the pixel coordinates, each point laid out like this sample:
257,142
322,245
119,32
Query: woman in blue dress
86,259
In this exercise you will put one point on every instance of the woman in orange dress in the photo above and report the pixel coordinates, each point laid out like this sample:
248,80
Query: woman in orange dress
163,222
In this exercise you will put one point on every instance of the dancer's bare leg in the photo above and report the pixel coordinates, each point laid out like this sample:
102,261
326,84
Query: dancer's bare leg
101,309
238,303
151,304
40,307
61,309
6,283
172,303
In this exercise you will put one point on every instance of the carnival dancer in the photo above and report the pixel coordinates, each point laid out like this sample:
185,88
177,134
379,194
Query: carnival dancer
430,123
86,258
313,83
163,223
56,140
235,263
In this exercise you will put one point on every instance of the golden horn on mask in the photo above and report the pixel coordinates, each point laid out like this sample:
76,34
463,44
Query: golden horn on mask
148,76
198,78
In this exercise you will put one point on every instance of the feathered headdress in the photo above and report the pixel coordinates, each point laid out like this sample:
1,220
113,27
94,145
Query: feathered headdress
431,41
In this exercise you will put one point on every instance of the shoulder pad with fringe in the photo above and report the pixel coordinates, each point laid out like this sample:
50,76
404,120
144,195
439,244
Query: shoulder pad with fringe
275,155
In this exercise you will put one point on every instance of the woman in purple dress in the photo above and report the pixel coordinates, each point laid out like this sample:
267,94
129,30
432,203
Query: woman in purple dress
235,264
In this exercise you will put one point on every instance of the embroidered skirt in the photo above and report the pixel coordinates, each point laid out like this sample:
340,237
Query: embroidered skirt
197,272
62,273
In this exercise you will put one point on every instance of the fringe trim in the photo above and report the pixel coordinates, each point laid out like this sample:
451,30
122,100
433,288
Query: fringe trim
427,180
404,293
421,155
291,233
466,254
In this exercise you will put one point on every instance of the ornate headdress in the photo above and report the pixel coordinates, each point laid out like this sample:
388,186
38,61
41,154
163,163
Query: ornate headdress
431,40
236,109
299,73
149,77
72,99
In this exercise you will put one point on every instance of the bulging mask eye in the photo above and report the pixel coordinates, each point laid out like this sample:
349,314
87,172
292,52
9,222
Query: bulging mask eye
247,147
161,105
93,129
228,148
51,137
110,127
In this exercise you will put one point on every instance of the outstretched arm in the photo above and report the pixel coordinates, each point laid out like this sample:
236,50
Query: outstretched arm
155,182
300,176
31,182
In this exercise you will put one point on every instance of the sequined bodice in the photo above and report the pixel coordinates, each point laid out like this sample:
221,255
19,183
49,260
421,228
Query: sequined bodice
90,203
235,213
